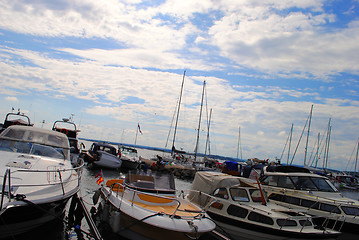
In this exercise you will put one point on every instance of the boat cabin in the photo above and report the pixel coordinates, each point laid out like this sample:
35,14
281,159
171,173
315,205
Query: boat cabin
95,147
36,141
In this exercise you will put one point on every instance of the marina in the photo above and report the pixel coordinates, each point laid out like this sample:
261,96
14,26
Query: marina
51,178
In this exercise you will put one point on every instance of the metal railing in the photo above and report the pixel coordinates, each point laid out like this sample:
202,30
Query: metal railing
122,188
7,180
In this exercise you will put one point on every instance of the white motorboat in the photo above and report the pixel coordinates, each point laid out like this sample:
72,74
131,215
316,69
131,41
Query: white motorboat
129,157
314,194
102,155
37,178
243,211
146,207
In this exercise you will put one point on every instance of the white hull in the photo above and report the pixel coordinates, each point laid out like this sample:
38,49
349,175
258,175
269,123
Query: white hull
40,178
107,160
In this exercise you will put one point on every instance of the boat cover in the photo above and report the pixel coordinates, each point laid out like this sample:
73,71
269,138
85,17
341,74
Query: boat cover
207,182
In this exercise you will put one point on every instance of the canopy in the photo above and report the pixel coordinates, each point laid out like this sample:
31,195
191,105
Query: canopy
207,182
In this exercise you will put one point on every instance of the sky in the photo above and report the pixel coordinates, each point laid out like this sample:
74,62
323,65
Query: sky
112,65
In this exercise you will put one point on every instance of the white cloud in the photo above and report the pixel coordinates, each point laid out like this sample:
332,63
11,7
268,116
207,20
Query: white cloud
11,99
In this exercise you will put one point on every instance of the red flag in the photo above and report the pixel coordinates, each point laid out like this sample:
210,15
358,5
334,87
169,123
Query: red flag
100,180
139,128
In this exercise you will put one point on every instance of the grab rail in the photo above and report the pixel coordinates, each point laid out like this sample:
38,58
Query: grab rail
7,175
136,192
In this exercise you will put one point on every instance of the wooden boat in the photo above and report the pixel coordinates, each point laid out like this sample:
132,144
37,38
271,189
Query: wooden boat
146,207
37,178
243,211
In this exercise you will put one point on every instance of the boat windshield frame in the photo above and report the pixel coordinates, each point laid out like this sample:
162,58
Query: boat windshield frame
299,182
155,182
23,147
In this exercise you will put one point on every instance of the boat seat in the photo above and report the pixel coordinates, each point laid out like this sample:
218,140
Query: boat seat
115,184
144,184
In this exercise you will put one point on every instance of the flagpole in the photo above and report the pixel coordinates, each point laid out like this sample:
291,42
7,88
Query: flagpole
138,124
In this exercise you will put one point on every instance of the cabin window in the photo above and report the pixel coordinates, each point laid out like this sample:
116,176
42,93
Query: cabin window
256,217
239,194
221,193
329,208
237,211
285,182
354,211
286,223
292,200
256,195
323,185
305,223
303,183
278,181
277,197
309,204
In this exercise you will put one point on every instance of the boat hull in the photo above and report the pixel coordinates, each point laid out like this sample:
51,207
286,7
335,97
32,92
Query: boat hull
128,164
243,230
136,229
107,160
16,220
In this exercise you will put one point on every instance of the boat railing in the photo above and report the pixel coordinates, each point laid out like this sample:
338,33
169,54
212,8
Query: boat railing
318,198
121,188
77,171
208,202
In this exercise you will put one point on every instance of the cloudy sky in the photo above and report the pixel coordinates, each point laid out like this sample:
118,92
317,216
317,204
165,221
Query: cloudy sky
115,63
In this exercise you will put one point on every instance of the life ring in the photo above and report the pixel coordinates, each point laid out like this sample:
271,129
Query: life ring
65,131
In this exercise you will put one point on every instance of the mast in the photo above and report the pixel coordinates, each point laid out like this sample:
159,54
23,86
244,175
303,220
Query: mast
290,142
317,153
199,122
306,145
178,110
356,159
239,147
207,142
329,135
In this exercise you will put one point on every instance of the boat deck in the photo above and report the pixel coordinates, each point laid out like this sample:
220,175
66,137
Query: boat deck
185,210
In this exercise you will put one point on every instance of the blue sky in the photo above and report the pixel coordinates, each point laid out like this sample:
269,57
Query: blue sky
116,63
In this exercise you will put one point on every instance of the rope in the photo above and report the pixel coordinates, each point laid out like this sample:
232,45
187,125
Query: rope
22,198
141,220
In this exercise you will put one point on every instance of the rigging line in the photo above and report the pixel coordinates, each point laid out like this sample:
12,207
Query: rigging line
285,145
173,117
350,158
199,122
178,111
306,145
300,138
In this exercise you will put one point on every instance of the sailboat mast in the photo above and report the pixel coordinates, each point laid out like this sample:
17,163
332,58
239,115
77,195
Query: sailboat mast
178,110
356,159
207,142
290,142
306,145
199,122
327,152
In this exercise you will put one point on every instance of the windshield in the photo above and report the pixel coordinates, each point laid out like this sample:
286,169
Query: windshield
310,183
32,148
256,195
